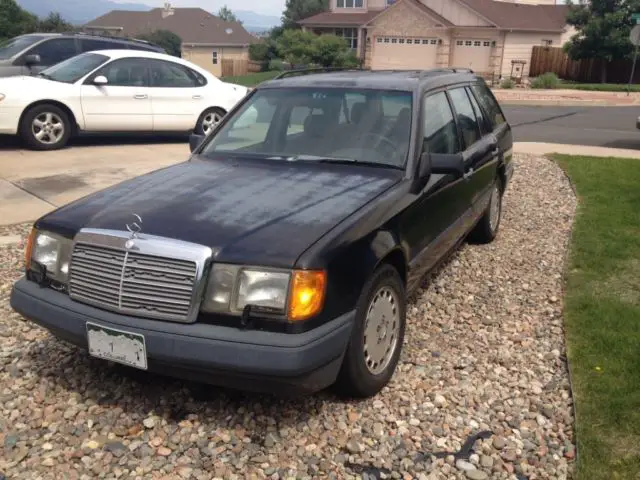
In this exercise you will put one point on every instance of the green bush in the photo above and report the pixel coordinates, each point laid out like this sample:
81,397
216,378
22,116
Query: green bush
259,52
507,83
546,81
305,48
276,65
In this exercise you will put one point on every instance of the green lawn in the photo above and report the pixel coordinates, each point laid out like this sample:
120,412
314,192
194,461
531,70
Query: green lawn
252,79
600,87
602,314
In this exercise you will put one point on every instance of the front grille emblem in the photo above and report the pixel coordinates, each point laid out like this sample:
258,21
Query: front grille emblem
134,228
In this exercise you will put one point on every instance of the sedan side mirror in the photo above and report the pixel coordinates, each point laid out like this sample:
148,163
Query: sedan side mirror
30,60
439,163
100,80
195,141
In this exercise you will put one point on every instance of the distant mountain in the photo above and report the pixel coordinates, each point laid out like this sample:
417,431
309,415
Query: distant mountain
256,22
78,12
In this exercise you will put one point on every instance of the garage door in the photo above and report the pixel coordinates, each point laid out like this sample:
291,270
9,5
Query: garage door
404,53
473,54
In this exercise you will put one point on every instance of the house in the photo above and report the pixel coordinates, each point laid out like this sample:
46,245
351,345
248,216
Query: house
207,40
484,35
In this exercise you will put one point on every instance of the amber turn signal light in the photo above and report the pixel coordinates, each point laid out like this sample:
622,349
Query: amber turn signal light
28,249
307,294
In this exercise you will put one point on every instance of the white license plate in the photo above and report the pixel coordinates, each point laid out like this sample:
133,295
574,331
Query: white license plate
117,346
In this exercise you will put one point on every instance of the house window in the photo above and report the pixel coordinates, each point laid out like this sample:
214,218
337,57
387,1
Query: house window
349,3
378,39
486,44
390,2
434,42
350,35
215,58
386,39
468,43
394,40
409,40
459,42
477,43
546,42
401,40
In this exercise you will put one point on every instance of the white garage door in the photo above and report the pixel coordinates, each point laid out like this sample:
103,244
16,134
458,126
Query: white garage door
473,54
404,53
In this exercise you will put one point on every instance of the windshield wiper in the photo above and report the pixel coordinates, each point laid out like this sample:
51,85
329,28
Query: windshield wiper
44,75
341,160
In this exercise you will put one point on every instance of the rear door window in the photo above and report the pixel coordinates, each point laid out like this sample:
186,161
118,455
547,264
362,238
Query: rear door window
465,116
439,131
90,44
489,104
54,51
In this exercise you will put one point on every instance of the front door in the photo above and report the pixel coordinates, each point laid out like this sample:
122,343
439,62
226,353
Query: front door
178,96
124,103
439,216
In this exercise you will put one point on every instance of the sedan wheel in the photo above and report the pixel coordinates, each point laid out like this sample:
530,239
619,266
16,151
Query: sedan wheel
45,127
209,120
374,348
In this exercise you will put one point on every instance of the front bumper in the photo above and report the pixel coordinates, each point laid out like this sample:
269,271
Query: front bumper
9,118
244,359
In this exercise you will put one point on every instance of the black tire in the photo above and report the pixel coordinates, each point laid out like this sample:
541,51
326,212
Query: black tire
485,231
53,118
355,378
201,125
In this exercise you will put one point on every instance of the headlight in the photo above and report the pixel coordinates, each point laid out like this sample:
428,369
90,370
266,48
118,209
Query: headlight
294,295
51,251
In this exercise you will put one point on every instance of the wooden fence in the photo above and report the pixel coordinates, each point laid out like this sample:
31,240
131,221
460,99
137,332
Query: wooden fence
234,67
554,59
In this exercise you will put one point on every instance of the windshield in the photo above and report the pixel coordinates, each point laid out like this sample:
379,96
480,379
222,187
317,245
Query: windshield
319,124
73,69
14,46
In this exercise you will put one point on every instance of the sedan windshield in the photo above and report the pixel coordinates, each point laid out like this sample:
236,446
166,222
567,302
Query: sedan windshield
14,46
339,125
73,69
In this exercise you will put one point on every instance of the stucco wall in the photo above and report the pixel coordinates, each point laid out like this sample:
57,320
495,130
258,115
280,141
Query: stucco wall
456,13
203,56
519,45
402,20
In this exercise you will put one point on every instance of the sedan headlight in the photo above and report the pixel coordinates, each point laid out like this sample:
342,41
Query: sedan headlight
51,251
292,294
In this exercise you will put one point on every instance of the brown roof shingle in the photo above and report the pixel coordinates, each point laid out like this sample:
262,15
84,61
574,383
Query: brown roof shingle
519,16
192,25
331,18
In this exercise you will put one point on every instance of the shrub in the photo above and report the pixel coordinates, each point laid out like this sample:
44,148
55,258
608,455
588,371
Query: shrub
259,52
306,48
507,83
547,81
276,65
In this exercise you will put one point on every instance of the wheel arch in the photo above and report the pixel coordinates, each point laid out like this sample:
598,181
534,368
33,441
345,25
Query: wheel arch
64,107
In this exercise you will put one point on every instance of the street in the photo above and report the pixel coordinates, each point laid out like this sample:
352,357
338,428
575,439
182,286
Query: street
613,127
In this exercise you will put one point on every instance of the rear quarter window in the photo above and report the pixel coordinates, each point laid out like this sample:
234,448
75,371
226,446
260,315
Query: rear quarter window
489,104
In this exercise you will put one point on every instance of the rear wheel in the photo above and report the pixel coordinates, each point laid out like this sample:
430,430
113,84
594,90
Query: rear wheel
487,228
377,336
45,127
208,120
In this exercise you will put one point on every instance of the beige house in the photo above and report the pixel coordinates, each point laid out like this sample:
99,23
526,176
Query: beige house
489,36
207,40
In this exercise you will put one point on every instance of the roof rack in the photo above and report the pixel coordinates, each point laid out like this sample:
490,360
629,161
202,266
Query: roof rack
307,71
111,37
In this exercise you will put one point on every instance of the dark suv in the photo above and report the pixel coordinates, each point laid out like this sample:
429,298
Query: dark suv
282,252
29,54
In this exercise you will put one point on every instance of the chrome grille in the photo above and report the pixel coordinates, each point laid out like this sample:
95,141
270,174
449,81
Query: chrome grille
137,280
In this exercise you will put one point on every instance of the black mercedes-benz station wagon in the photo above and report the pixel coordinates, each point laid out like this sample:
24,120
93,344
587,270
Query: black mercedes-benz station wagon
279,256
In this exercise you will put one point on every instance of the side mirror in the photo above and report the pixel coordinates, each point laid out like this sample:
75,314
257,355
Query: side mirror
30,60
447,164
195,141
100,80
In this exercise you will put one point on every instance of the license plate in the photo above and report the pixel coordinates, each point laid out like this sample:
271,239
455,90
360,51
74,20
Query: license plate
117,346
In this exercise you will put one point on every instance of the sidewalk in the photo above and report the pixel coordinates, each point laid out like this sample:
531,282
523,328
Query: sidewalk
535,148
563,97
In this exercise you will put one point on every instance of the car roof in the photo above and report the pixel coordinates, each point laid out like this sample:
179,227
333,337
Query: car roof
92,37
119,53
403,80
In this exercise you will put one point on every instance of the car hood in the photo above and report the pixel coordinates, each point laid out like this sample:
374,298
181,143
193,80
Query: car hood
25,83
247,211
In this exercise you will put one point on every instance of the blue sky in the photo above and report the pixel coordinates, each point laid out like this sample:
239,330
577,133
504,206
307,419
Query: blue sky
267,7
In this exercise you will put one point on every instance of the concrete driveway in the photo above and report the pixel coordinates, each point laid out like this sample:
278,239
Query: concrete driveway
34,183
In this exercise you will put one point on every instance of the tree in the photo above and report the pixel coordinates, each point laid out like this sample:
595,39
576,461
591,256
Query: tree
298,47
15,21
296,10
54,23
171,42
227,15
603,28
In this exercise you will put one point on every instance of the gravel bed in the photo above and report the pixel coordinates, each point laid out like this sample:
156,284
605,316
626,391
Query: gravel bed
484,352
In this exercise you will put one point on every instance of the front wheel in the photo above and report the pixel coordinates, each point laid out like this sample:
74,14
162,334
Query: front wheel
208,120
45,127
377,336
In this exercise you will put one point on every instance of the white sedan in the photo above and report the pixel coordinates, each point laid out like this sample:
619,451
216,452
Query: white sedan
113,91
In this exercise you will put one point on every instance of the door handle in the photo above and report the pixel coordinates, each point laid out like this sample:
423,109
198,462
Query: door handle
466,175
495,151
197,97
140,96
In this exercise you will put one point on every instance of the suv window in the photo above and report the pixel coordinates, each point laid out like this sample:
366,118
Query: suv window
126,72
439,131
484,127
173,75
465,116
89,45
54,51
489,104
